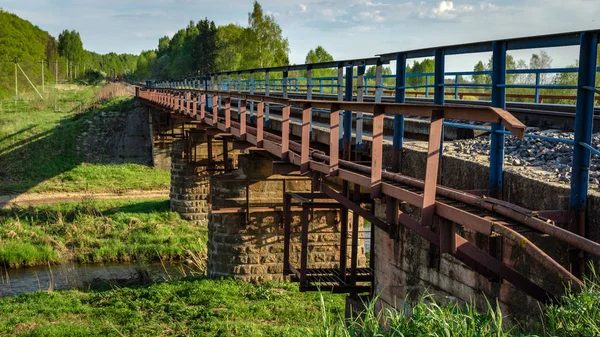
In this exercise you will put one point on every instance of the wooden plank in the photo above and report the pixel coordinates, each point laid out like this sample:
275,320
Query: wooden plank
227,108
215,109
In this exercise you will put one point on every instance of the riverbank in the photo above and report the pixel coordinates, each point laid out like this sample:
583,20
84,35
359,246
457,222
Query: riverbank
97,231
47,149
189,307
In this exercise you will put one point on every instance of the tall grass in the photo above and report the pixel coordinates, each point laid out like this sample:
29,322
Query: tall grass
424,318
577,314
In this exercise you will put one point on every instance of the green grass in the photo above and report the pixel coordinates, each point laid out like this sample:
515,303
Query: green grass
38,149
577,314
189,307
97,231
203,307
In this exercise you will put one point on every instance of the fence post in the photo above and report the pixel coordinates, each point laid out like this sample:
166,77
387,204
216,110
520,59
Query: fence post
537,89
499,101
584,116
347,120
267,104
400,96
456,87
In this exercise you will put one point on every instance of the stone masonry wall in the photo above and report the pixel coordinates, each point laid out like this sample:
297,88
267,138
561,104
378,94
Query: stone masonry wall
189,189
254,250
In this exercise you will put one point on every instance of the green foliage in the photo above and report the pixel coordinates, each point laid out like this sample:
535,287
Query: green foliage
189,307
319,55
97,231
93,77
425,66
30,46
230,47
265,44
372,71
70,45
578,314
203,48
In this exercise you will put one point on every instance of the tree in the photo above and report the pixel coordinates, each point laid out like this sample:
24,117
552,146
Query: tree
266,46
70,45
480,78
372,71
205,47
540,61
318,55
164,44
425,66
230,47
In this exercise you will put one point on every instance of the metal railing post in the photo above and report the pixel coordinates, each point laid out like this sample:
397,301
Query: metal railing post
399,97
584,115
499,101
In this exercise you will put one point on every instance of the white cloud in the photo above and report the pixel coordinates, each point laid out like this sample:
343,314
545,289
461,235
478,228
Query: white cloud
170,34
370,16
447,10
303,8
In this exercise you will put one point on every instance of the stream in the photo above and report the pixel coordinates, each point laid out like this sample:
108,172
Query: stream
88,276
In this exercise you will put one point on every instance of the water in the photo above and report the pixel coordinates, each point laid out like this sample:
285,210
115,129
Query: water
367,235
87,276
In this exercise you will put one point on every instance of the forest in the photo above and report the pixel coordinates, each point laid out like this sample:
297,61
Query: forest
26,49
203,47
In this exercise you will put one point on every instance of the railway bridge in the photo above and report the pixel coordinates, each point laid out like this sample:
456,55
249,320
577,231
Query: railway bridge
297,183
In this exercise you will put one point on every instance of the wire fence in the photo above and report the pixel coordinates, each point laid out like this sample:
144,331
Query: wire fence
53,105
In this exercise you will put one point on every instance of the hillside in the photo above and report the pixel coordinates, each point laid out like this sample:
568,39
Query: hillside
29,45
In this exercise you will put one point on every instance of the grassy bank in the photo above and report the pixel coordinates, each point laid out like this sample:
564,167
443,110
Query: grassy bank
97,231
203,307
576,315
38,145
191,307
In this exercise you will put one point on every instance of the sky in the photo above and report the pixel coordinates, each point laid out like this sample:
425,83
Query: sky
347,29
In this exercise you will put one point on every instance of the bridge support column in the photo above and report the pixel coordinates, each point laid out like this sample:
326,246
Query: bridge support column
245,230
189,190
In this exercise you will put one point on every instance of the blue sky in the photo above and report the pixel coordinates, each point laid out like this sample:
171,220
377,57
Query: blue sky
346,28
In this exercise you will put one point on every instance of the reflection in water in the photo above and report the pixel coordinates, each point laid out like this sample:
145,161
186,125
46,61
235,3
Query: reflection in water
87,276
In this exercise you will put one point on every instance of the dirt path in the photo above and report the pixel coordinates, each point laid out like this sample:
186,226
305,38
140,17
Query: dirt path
32,199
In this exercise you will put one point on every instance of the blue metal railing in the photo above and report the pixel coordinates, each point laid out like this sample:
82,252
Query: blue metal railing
329,83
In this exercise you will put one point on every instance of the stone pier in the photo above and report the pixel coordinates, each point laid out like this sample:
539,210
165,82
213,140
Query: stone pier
250,246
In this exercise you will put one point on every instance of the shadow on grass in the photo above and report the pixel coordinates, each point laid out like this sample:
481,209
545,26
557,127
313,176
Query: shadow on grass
49,153
69,211
149,206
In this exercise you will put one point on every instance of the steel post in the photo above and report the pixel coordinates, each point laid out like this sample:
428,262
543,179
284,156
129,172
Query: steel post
496,134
